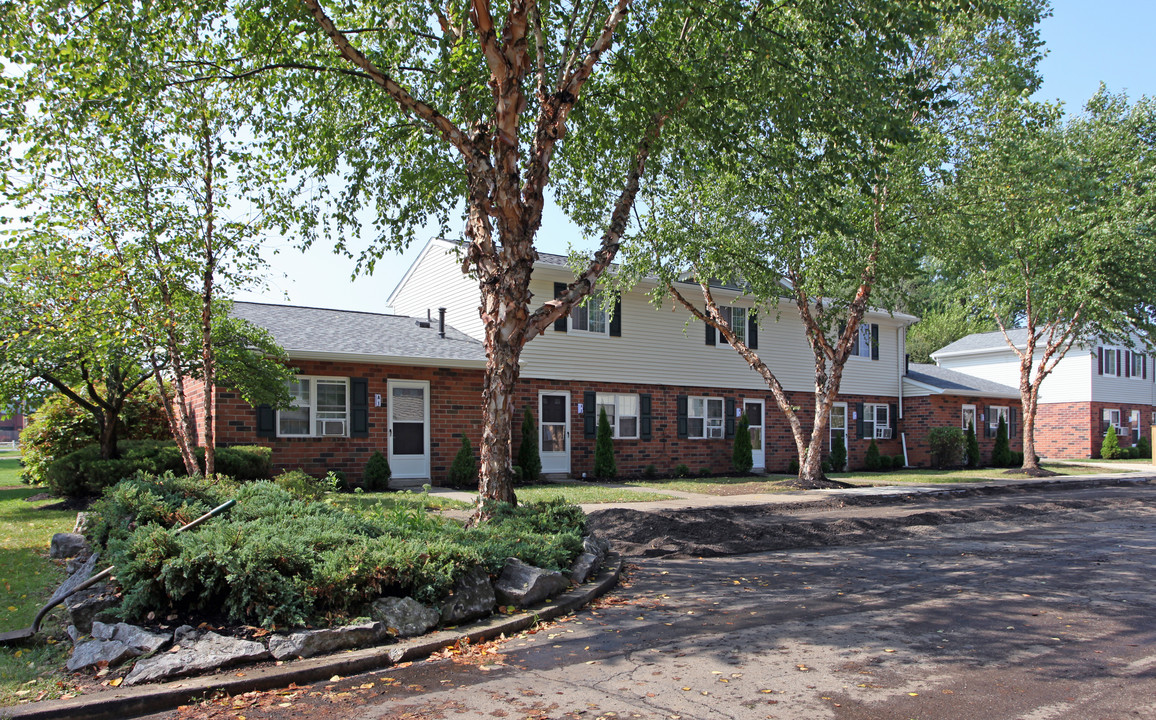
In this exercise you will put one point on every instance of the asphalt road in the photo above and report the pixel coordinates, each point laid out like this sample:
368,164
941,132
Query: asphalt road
1048,616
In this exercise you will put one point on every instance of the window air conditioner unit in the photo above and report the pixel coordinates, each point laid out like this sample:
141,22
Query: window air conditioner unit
882,433
331,428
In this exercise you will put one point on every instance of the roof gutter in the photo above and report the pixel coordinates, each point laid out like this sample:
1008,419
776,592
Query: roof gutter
464,363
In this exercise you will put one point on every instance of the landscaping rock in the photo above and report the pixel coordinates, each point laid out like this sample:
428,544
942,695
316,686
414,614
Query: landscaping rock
472,597
135,637
309,643
404,617
67,545
596,546
82,521
93,652
197,652
522,584
87,606
73,634
585,566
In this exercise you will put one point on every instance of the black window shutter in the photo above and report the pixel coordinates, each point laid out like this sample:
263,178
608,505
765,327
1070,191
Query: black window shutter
644,420
358,407
987,418
860,421
753,330
682,412
1011,422
894,420
1144,367
590,414
729,420
1117,362
1100,361
616,321
710,334
560,323
874,341
1128,363
266,421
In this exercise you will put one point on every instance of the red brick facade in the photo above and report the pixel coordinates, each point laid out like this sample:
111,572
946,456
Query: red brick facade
932,411
1076,430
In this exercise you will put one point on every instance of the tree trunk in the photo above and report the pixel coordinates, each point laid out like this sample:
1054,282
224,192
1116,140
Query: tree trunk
208,369
108,436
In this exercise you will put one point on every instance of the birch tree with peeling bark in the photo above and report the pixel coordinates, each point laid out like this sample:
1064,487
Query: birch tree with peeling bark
829,221
1054,232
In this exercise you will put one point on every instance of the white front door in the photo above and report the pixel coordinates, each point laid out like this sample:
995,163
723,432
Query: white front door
554,431
754,411
409,428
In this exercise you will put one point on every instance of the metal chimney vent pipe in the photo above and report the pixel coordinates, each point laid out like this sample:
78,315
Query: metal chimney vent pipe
441,322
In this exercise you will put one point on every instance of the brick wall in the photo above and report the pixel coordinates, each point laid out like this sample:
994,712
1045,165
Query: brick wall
1075,430
923,413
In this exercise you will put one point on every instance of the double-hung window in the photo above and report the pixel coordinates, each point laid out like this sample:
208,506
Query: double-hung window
1109,361
1112,419
1138,364
879,417
736,317
997,412
590,316
319,408
704,417
864,344
621,411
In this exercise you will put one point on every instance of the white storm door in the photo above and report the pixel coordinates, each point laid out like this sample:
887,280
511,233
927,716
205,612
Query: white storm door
754,411
554,431
408,428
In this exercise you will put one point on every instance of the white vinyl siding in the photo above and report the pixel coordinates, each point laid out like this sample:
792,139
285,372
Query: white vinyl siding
436,280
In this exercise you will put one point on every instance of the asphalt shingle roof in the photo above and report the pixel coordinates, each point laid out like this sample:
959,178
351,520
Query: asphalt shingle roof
986,341
957,383
347,332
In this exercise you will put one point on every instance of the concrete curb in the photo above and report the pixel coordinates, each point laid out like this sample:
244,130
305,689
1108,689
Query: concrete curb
147,699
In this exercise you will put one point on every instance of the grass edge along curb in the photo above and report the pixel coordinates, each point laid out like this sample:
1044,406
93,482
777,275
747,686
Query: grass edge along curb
147,699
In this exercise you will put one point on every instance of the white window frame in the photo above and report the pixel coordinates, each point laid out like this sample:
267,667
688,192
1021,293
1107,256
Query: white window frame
1137,368
615,400
1109,361
861,346
740,330
879,430
710,424
974,417
313,419
998,411
1134,421
595,304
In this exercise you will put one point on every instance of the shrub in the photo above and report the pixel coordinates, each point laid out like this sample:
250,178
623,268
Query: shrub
377,472
1144,447
240,462
972,444
61,427
518,473
650,471
826,464
528,458
741,454
839,455
793,466
301,485
277,560
1017,459
884,463
681,470
1001,454
871,461
464,470
947,446
704,471
898,462
604,463
1110,446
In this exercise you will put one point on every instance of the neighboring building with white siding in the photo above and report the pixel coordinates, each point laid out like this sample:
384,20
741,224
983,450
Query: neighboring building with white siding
1091,388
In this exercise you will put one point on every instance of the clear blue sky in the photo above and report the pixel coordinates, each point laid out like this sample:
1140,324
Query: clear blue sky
1088,42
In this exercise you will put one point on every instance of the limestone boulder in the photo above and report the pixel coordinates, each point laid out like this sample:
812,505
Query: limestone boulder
472,597
404,617
135,637
197,651
585,566
91,653
67,545
522,584
90,605
309,643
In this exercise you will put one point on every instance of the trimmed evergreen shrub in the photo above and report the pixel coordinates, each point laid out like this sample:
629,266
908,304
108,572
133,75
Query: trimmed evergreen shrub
947,446
826,465
839,455
464,470
84,473
898,462
704,471
528,457
741,454
650,471
1017,459
972,446
1144,447
871,461
377,472
301,485
793,466
681,470
884,463
1001,454
277,560
605,466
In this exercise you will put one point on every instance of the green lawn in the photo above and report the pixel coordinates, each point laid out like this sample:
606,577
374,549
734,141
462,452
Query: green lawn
580,492
393,500
27,579
932,477
744,485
